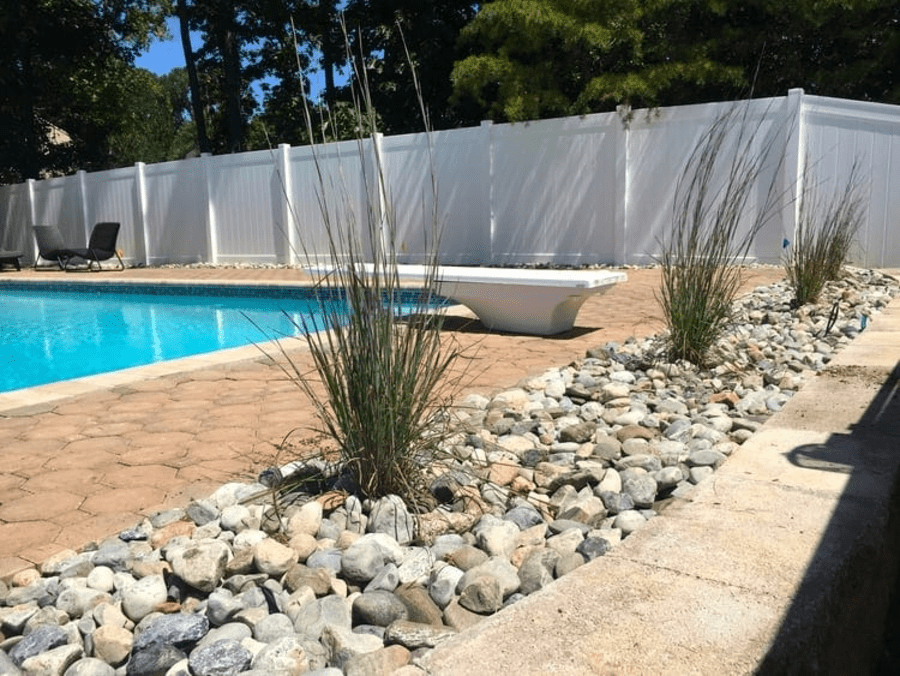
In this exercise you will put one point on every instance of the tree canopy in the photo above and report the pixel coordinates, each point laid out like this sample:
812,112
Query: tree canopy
68,65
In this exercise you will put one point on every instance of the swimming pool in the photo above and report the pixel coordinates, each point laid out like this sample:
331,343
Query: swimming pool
57,331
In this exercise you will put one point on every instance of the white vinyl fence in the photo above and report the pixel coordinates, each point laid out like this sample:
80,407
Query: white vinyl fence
578,190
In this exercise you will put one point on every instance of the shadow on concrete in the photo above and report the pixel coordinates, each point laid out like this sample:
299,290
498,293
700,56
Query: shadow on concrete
836,620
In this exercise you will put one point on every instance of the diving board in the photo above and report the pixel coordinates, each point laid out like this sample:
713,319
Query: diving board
519,300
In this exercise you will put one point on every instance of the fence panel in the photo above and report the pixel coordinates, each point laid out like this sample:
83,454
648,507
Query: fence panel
58,202
458,161
111,197
244,202
329,193
570,191
840,133
14,210
660,144
554,190
176,212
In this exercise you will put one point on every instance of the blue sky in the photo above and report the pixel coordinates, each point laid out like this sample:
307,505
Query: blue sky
162,57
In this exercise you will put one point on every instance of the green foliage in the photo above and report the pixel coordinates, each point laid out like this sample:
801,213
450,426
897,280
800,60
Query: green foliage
826,230
544,58
63,67
387,380
711,231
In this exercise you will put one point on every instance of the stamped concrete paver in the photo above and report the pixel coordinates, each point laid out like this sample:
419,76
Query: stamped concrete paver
170,433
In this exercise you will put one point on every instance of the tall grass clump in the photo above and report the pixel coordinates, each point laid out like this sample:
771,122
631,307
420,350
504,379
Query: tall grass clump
712,232
826,230
382,379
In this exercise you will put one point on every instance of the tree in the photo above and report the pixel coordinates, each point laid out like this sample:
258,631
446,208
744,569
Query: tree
393,37
842,48
61,72
529,59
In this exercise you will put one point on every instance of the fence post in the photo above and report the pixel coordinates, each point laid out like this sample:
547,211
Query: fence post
212,239
794,163
141,238
32,216
623,161
488,145
83,199
380,198
290,233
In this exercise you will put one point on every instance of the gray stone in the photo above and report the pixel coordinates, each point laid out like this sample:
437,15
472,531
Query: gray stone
415,565
180,630
368,555
386,579
155,660
317,579
88,666
592,547
481,595
201,564
567,563
496,537
201,512
342,644
312,618
524,516
419,605
222,658
329,559
379,608
497,568
53,662
616,502
140,598
390,516
415,635
537,569
285,655
442,586
641,489
629,521
40,640
273,627
706,458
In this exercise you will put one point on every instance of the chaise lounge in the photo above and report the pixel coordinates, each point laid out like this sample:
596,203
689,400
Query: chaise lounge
10,258
101,246
538,302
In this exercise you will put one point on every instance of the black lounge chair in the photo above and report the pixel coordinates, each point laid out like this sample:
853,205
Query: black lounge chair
10,258
51,246
101,246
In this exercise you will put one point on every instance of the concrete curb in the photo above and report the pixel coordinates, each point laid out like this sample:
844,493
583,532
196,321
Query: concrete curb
781,563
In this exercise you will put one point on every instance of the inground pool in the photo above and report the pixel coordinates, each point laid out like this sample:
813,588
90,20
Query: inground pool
56,331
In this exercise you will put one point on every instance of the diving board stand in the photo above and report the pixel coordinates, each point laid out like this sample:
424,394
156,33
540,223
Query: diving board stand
541,302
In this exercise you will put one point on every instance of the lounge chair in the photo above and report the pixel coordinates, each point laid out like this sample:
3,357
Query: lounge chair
101,246
10,258
51,246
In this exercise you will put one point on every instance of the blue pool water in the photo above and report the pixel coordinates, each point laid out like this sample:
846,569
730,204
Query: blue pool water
62,331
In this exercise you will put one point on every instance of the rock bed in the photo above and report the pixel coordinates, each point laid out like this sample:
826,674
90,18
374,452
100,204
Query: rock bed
543,478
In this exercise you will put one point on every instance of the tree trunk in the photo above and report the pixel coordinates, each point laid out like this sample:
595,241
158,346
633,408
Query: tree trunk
194,83
232,66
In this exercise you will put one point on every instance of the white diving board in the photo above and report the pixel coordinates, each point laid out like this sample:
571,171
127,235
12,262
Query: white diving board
519,300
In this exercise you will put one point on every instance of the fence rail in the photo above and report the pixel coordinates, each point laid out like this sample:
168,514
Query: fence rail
591,189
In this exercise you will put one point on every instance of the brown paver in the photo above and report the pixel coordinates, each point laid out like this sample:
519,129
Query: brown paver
198,428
